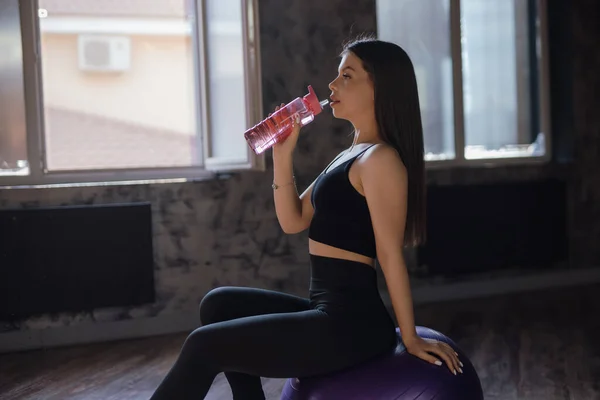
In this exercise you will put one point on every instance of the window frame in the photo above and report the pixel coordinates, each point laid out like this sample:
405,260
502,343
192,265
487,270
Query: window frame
543,76
209,167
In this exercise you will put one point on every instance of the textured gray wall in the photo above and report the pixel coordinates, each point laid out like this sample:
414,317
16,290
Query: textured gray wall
225,232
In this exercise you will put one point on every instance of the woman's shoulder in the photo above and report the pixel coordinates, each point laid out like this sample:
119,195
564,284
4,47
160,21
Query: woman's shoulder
381,155
382,168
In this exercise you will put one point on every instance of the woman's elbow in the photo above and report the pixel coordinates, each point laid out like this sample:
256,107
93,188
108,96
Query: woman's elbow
289,231
390,256
292,229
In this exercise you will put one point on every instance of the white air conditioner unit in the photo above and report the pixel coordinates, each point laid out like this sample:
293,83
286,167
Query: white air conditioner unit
104,53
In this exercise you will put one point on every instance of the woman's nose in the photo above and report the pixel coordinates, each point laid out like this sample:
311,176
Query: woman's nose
331,85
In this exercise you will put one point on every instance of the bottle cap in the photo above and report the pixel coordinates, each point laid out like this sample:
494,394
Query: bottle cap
313,101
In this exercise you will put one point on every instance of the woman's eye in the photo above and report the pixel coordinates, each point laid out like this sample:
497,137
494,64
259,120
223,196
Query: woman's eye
346,76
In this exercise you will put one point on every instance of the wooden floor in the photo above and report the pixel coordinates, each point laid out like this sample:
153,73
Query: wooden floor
532,346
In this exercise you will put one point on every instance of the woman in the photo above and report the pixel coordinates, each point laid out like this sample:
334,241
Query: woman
367,204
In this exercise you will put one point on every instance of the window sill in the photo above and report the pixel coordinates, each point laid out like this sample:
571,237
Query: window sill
477,174
207,176
496,283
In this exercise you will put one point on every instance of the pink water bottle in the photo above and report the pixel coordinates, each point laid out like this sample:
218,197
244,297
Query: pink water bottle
278,126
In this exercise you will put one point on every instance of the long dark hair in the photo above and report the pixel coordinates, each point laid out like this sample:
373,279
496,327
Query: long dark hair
398,117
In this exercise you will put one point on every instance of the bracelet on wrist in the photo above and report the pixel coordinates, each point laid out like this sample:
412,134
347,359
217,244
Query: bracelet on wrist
276,186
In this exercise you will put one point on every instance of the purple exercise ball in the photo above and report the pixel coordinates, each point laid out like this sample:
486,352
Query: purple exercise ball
395,376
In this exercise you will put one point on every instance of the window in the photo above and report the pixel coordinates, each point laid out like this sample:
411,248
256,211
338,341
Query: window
480,67
127,90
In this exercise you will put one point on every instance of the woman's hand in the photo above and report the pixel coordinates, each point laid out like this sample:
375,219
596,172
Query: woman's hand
422,348
287,146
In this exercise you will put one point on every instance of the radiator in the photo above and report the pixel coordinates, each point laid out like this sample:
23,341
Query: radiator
75,259
477,228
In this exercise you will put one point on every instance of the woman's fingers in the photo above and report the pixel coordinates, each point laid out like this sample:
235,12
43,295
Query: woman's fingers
454,357
295,124
435,352
447,353
440,352
276,109
429,358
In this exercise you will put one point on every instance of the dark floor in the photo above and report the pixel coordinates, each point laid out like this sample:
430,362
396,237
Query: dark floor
538,345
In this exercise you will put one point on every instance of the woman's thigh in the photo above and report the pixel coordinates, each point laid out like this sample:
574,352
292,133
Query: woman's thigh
282,345
230,302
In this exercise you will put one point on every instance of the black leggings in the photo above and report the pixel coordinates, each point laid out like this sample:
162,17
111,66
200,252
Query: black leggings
251,333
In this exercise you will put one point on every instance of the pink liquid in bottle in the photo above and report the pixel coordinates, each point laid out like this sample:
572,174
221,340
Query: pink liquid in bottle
278,126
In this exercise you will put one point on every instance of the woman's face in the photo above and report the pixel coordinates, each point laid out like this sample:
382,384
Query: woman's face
352,95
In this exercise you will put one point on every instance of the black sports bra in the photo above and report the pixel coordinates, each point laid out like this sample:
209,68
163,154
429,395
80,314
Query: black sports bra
341,218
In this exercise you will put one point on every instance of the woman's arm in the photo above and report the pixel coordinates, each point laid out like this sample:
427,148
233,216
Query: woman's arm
293,212
384,181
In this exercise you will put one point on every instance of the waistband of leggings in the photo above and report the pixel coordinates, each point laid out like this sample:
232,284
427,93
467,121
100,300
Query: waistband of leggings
335,272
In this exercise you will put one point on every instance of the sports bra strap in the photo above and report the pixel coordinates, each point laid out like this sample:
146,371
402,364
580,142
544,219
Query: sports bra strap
340,156
334,160
364,150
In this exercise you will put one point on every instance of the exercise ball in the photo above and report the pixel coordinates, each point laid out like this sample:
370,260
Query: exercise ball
398,375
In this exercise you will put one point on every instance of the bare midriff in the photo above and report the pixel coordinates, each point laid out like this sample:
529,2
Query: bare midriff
324,250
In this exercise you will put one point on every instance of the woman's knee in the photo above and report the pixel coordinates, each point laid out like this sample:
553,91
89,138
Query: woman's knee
214,305
200,347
